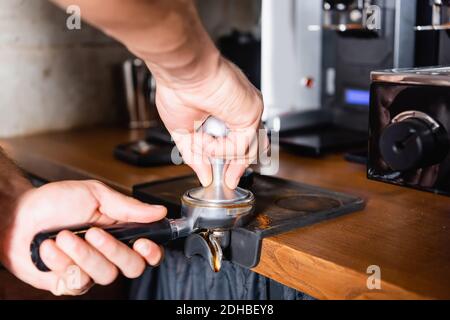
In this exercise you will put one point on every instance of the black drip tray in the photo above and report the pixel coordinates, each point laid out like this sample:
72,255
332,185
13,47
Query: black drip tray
281,206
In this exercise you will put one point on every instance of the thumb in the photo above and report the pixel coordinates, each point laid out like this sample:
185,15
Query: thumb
203,172
123,208
191,148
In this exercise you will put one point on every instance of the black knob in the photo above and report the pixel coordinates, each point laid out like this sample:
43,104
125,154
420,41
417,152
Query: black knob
412,144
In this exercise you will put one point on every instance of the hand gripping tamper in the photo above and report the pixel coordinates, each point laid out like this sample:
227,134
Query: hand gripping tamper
216,208
207,215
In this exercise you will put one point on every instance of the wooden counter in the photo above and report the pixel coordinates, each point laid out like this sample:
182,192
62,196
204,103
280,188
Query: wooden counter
404,232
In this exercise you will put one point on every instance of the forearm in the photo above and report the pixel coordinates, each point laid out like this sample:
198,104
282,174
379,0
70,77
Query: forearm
168,35
12,182
12,185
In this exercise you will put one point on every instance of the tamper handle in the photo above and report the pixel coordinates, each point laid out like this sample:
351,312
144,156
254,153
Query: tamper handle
217,192
215,127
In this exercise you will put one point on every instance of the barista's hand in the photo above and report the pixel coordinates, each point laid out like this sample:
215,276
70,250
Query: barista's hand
98,258
226,94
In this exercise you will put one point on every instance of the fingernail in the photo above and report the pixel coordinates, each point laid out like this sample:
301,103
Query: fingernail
160,257
232,184
204,181
143,247
60,287
67,240
96,237
48,252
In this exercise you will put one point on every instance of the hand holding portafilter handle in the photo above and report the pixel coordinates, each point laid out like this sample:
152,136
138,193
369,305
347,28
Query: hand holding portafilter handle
159,232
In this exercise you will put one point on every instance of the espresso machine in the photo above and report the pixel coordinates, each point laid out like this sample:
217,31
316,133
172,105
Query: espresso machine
433,33
155,147
316,79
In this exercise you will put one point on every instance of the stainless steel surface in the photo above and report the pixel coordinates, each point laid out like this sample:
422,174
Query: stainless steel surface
358,15
140,91
207,245
143,107
337,27
436,76
223,236
181,227
405,38
201,215
217,192
440,19
430,28
216,254
417,115
216,207
130,94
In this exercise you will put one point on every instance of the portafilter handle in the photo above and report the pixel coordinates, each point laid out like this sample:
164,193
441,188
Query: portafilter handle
159,232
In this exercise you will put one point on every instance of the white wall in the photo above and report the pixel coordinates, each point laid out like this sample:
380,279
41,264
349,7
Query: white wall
52,78
290,55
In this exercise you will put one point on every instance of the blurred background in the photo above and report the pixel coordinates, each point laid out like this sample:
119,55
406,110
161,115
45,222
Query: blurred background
54,79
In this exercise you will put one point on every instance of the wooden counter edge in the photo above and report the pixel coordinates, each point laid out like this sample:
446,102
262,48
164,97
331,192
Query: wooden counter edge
298,270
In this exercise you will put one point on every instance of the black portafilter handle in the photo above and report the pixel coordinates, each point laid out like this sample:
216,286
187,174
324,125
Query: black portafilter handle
159,232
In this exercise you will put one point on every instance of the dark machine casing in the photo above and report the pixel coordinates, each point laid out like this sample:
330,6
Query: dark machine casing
409,128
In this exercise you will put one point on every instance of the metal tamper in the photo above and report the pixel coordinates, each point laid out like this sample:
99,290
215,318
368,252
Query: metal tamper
207,215
217,208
